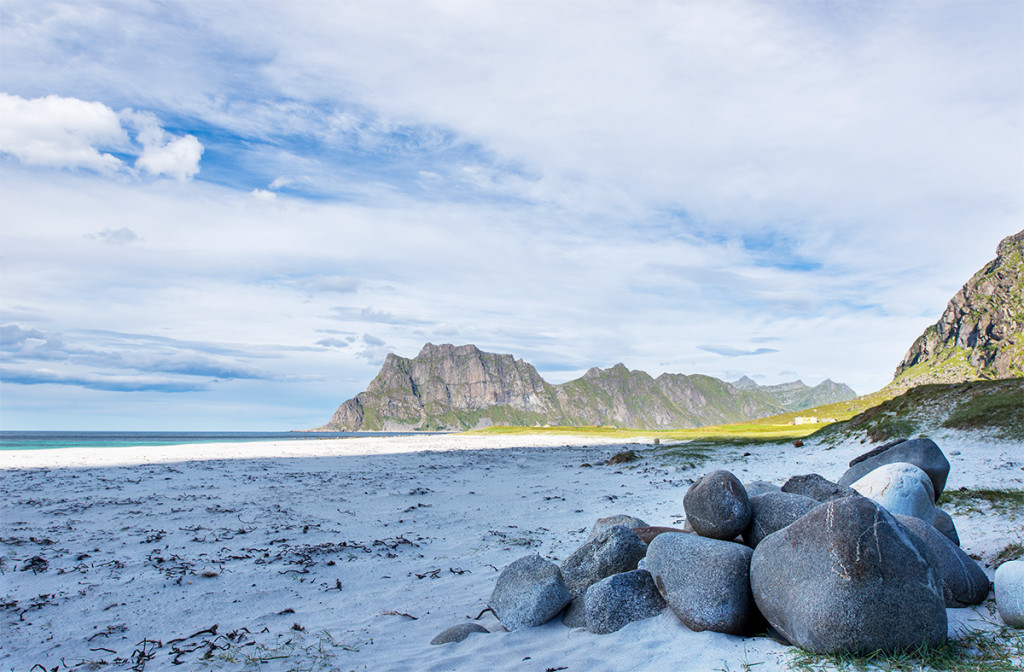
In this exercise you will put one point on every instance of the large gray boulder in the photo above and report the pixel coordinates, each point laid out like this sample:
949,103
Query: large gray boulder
964,583
619,599
1010,593
717,506
612,550
817,487
902,488
706,582
944,523
773,511
923,453
847,577
529,592
755,488
610,521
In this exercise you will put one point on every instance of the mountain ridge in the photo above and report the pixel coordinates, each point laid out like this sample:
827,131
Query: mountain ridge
462,387
980,334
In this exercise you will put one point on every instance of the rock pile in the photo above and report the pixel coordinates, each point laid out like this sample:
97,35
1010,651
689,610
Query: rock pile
866,564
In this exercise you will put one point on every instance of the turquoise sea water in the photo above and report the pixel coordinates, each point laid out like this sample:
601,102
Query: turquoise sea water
28,440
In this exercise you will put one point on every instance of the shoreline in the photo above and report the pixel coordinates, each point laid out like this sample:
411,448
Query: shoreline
36,458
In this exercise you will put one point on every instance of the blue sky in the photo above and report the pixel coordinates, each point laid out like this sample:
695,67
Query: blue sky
223,215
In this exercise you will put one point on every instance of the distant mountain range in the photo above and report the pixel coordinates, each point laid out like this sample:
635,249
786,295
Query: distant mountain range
461,387
980,335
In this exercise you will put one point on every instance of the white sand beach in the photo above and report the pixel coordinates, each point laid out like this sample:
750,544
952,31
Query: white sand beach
353,554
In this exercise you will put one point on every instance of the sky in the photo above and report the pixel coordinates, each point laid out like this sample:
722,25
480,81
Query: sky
223,215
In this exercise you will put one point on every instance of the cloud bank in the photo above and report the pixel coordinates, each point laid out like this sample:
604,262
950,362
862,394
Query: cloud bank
701,187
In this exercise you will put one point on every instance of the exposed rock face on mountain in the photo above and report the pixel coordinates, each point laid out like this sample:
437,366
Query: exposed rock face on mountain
797,396
449,387
979,336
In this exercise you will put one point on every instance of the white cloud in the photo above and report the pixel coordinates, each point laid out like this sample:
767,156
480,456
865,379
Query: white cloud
163,153
263,195
174,157
61,132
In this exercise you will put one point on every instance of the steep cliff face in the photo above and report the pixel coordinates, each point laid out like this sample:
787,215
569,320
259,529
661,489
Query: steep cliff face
449,387
444,384
979,335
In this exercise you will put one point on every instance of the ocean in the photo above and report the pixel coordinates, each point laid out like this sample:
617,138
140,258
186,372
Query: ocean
29,440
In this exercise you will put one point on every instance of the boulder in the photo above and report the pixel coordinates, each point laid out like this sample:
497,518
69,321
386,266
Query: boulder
529,592
902,488
609,521
647,534
944,523
1010,593
457,633
923,453
706,582
617,600
773,511
848,578
717,506
613,550
964,583
755,488
816,487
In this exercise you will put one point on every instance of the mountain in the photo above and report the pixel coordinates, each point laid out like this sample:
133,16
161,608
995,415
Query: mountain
462,387
979,335
797,396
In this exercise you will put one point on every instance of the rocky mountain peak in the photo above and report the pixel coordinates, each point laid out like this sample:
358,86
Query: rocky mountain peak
461,387
979,335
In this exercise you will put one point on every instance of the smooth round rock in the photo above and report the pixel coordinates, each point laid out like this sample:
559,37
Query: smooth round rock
902,488
717,506
706,582
944,523
773,511
755,488
612,550
848,578
1010,593
816,487
617,600
610,521
922,453
964,583
529,592
457,633
647,534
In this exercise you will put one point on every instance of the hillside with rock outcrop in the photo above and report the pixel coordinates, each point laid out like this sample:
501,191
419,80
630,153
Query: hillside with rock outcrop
981,333
461,387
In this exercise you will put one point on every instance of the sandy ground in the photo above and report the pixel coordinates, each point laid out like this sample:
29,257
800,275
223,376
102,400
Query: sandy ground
352,554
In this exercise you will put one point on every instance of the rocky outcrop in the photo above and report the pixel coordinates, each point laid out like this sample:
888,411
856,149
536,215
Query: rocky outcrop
448,387
461,387
981,333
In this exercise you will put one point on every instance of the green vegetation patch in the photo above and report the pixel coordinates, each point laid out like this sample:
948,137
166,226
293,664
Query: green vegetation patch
996,650
1001,407
1007,501
739,432
993,405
